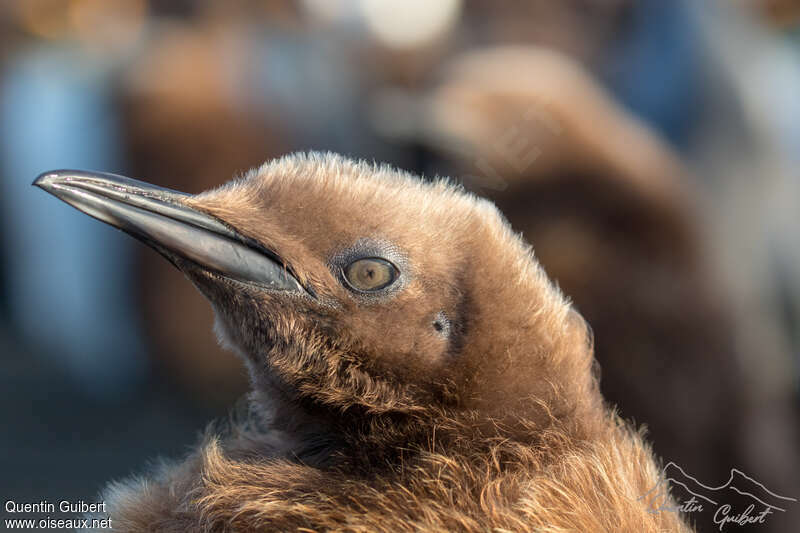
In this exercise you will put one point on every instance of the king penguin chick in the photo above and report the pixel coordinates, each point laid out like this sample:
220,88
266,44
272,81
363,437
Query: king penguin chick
412,367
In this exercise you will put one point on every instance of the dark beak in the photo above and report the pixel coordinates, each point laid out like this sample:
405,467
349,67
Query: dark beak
158,217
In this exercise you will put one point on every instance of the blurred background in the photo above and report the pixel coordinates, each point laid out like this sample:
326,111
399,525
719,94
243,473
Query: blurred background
648,150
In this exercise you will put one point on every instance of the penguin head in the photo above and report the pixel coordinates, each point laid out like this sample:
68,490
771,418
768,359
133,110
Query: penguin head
358,286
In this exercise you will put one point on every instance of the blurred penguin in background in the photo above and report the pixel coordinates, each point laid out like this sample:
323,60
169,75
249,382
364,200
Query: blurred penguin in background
612,215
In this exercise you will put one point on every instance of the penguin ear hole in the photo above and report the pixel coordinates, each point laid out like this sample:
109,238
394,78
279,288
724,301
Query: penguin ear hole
441,324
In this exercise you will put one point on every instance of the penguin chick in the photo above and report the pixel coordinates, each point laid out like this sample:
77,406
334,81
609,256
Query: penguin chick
412,367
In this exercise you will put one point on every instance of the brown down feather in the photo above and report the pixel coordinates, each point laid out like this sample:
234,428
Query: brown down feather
364,417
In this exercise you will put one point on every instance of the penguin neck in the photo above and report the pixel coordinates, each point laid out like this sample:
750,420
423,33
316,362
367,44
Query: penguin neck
361,438
302,418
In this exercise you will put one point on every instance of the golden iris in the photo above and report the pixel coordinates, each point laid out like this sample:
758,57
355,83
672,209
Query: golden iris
370,274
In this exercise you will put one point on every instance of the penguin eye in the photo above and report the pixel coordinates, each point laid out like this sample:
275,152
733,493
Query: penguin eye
370,274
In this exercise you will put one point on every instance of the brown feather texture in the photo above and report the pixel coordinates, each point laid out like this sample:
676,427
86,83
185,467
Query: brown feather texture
460,398
622,226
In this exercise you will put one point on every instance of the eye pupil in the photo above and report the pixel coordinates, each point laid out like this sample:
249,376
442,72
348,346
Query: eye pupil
370,274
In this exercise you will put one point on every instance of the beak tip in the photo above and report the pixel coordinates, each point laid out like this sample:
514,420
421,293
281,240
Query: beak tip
46,180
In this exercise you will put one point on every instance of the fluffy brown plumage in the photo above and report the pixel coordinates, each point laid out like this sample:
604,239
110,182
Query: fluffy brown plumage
609,211
461,398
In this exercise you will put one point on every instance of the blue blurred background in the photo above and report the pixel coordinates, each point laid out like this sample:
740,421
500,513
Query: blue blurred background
107,359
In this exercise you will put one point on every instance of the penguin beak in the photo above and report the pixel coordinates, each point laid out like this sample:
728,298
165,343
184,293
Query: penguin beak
159,218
